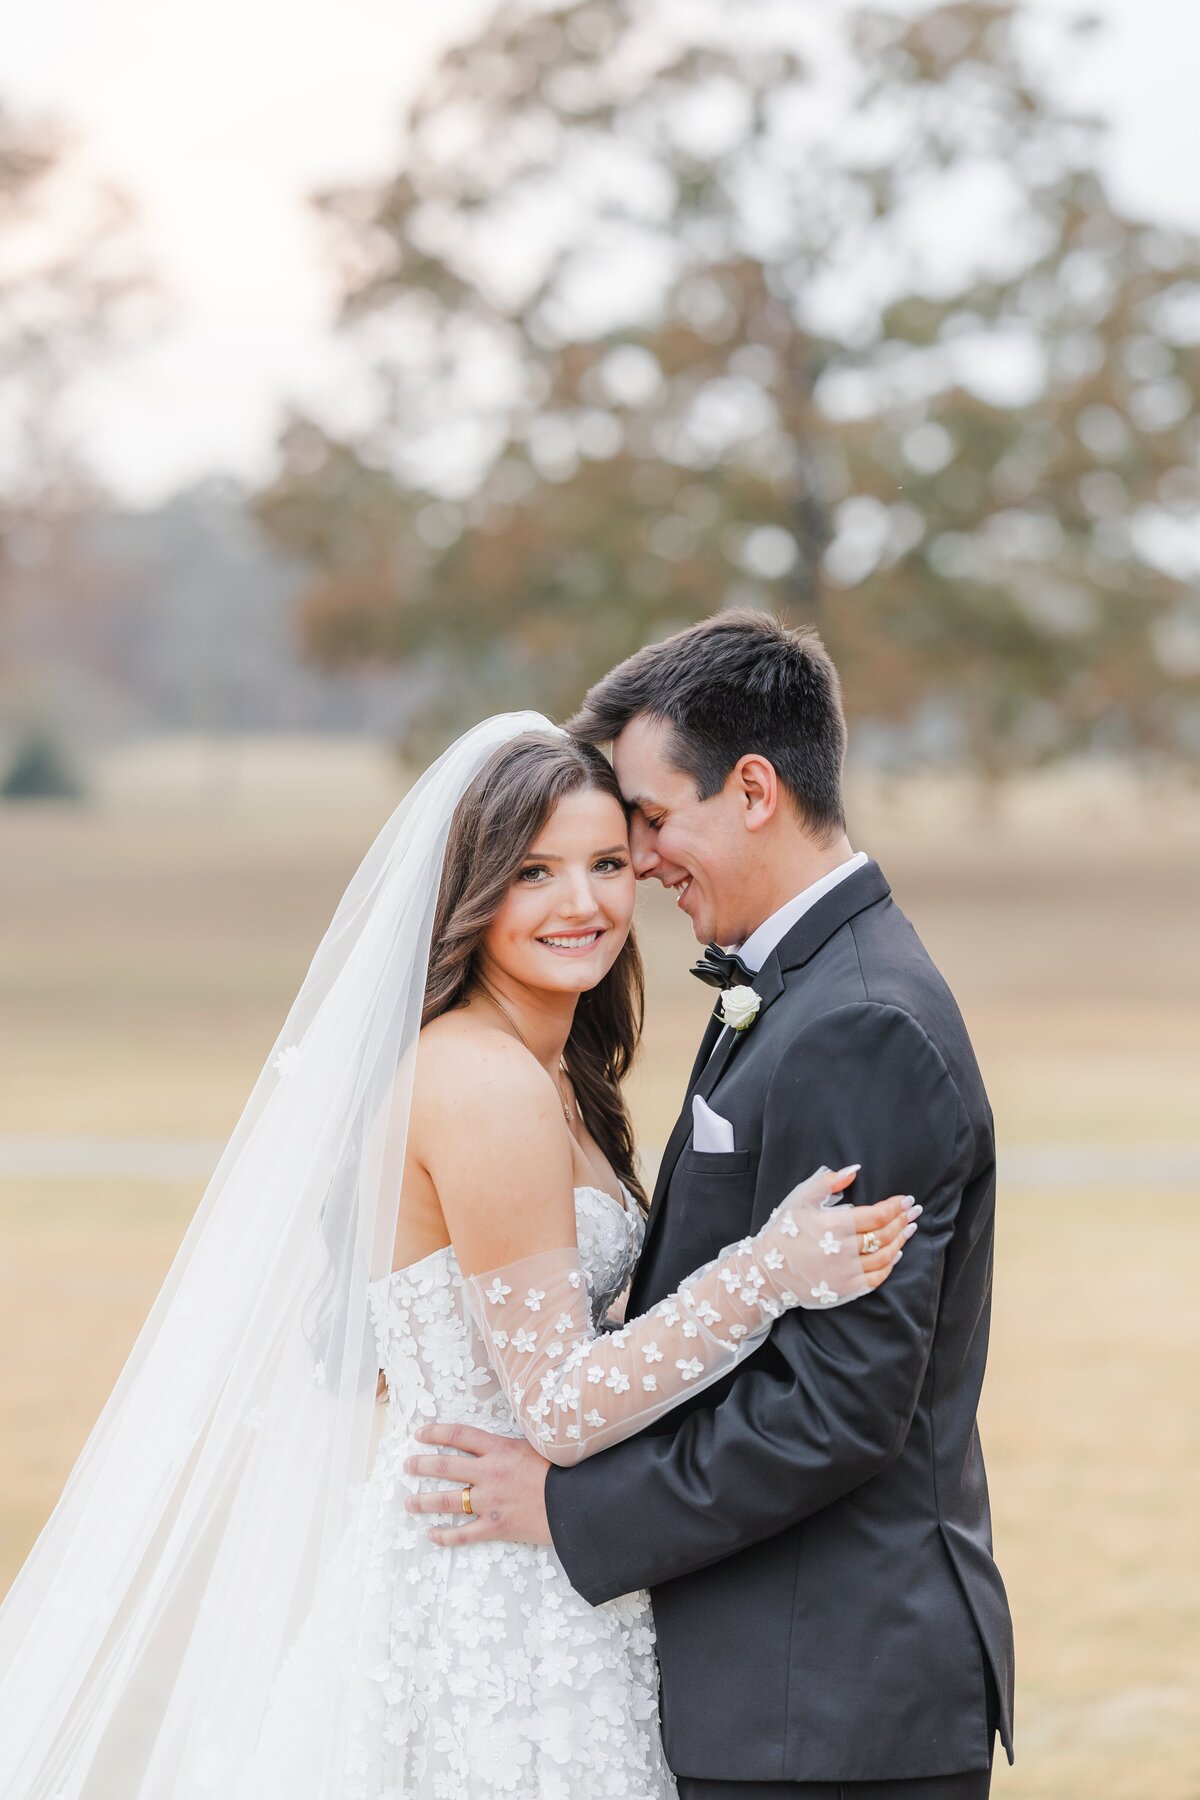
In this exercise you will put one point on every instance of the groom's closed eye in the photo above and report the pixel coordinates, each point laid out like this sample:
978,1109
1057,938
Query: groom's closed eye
650,812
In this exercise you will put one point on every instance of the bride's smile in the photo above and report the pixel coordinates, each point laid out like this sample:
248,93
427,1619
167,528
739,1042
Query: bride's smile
256,1588
569,909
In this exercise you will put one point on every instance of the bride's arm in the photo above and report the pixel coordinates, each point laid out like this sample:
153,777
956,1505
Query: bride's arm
504,1178
575,1391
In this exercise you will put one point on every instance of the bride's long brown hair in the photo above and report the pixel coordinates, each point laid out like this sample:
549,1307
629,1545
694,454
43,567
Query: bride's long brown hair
494,826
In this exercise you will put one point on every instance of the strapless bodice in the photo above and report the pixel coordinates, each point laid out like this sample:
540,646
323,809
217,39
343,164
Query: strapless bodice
480,1672
430,1351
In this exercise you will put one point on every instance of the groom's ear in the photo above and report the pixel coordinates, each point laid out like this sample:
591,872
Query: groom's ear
758,790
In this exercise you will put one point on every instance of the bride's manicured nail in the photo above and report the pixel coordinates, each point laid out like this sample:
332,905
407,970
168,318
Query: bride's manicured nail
850,1169
914,1212
907,1232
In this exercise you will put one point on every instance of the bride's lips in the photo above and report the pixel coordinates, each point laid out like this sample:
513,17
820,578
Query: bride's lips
572,943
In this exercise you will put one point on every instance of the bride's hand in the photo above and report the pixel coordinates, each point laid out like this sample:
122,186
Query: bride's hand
879,1232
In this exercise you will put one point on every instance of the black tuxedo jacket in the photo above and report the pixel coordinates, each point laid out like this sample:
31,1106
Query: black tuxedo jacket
815,1529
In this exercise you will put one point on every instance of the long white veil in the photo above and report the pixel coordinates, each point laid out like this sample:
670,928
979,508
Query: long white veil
140,1642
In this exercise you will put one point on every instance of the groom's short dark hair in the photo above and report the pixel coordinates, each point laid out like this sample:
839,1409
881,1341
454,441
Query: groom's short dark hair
738,683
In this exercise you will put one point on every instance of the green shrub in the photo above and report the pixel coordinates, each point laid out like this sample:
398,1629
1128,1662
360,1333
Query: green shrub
40,770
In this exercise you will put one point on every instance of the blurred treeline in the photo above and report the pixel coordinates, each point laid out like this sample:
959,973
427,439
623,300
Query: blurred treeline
662,274
118,622
73,286
672,306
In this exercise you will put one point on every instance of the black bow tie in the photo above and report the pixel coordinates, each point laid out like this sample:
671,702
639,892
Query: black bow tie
722,968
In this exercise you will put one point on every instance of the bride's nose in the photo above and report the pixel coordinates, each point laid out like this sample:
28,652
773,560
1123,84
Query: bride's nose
577,900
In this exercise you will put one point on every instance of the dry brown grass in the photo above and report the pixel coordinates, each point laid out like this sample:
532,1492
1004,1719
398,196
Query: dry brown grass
146,963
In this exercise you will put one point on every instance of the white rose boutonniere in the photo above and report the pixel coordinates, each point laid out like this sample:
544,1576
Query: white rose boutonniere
739,1007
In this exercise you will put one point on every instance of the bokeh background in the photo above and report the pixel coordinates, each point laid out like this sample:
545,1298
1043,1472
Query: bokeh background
362,372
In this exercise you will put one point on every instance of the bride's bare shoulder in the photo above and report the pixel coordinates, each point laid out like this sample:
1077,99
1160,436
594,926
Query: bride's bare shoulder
487,1129
465,1032
466,1060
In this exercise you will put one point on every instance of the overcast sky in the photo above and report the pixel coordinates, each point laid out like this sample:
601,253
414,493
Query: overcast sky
219,117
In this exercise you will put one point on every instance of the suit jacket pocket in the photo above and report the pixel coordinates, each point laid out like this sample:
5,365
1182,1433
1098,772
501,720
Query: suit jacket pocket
718,1162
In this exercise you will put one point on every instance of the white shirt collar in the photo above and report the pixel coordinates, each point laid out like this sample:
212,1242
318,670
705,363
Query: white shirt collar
759,945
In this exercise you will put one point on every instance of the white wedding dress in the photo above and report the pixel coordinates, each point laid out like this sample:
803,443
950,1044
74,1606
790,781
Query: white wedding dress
230,1601
480,1671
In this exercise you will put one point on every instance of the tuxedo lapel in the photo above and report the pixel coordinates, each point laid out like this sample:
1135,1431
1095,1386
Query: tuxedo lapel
666,1168
801,943
866,887
712,1032
682,1128
768,985
707,1070
858,891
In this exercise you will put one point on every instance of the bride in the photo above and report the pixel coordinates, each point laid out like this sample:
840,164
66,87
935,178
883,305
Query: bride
432,1193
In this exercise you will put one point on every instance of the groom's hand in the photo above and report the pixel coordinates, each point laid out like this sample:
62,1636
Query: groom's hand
507,1482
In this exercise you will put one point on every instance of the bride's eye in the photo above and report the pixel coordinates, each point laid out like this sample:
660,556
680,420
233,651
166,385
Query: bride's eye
528,875
610,865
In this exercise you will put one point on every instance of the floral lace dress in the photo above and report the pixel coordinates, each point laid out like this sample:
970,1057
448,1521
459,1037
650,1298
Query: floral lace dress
480,1671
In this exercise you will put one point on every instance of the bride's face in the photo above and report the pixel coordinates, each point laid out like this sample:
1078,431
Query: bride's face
569,910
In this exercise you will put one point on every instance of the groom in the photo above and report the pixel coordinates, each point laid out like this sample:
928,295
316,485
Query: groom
814,1530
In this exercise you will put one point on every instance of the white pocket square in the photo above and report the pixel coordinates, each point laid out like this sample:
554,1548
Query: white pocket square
710,1132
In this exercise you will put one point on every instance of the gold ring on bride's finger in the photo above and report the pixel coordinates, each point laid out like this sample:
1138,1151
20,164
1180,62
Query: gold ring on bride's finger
466,1501
869,1243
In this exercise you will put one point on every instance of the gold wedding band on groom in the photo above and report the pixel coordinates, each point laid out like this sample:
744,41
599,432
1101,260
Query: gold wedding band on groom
870,1243
466,1502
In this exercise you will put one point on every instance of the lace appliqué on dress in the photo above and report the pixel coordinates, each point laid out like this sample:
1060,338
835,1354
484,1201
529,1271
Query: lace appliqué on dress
575,1390
477,1672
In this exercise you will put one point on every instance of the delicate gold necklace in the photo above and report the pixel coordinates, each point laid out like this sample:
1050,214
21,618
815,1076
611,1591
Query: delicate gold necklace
568,1109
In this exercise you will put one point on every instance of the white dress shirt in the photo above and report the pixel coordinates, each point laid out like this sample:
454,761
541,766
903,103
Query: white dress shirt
759,945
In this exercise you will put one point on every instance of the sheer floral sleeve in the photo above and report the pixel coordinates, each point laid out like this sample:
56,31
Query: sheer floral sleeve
574,1391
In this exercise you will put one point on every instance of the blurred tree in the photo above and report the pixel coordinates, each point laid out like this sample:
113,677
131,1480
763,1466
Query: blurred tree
40,770
670,308
71,288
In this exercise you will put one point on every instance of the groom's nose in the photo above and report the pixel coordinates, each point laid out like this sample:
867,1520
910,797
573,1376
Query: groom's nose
642,854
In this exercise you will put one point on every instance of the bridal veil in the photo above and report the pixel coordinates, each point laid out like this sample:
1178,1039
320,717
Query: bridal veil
140,1642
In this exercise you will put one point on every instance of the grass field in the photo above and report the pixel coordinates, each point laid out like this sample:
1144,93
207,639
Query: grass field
147,957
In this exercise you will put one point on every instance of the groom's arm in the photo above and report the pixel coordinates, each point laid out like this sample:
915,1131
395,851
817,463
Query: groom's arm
833,1405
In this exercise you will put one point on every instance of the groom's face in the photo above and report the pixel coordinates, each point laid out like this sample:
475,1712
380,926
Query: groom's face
699,849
